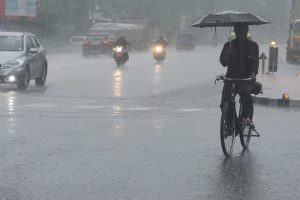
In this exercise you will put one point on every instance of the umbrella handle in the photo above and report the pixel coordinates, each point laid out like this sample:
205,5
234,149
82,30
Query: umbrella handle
230,36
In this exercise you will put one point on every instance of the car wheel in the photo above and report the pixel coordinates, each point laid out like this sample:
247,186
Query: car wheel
23,81
41,80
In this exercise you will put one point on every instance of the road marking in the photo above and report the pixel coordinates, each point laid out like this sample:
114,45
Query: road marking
38,105
190,109
89,107
140,109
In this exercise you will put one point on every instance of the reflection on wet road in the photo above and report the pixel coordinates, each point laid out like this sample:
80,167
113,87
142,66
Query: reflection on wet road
156,79
142,131
117,86
237,178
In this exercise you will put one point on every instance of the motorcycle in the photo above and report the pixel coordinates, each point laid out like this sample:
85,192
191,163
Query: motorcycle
120,55
159,53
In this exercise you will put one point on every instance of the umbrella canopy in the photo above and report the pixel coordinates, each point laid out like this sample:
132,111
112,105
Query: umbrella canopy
229,18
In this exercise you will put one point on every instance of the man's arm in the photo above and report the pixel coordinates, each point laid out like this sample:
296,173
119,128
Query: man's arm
255,56
226,56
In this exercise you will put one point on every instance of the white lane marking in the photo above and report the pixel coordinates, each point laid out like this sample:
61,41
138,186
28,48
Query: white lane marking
140,109
65,66
38,105
89,107
80,64
190,109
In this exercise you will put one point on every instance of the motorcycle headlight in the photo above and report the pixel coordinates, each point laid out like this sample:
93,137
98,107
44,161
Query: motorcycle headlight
119,49
158,49
13,64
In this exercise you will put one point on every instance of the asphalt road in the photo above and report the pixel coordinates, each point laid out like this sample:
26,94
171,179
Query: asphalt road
142,131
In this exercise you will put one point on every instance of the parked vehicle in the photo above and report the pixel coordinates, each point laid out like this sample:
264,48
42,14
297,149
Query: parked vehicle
97,44
75,43
22,58
77,40
185,41
137,32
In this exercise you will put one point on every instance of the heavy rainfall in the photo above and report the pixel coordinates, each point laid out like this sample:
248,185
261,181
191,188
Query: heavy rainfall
120,99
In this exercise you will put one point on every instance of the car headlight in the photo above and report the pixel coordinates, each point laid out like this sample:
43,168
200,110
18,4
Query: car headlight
13,64
12,79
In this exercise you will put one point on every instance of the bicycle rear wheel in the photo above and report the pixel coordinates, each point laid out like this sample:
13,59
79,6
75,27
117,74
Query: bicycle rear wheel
245,135
227,129
245,130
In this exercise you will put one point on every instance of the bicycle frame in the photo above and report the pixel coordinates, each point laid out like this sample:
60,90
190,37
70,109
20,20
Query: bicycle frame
232,105
232,122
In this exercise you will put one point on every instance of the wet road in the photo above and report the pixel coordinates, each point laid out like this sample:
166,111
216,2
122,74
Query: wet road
144,131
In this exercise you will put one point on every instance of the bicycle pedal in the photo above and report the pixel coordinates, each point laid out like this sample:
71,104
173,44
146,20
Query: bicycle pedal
255,135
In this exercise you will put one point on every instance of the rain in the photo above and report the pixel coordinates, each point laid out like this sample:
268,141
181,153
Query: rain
87,115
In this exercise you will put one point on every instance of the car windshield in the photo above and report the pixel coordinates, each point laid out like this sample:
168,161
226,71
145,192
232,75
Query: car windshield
11,43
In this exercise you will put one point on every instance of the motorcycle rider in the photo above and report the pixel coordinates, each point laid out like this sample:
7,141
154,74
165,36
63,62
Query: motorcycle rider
161,41
121,41
241,57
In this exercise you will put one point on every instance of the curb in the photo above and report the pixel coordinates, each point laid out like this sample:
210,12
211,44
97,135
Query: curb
276,102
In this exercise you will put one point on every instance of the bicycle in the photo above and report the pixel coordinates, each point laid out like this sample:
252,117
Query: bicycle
232,124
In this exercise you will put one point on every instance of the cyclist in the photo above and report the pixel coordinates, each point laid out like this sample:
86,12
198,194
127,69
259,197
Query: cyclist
241,57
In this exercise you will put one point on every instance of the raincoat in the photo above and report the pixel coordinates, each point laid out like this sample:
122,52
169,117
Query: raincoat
241,56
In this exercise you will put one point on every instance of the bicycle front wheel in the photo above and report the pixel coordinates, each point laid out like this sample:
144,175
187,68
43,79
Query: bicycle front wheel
227,129
245,135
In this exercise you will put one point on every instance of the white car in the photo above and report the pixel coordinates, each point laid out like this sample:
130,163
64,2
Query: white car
77,40
22,58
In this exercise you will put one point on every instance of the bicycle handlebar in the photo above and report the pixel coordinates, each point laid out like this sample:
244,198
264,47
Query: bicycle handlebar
224,78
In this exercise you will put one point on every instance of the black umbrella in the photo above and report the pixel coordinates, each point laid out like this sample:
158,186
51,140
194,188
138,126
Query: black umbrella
229,18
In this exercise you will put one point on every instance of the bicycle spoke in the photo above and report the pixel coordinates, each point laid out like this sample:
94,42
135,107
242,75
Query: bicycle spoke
228,131
245,135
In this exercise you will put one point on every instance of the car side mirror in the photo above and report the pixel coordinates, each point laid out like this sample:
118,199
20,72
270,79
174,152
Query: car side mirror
33,50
